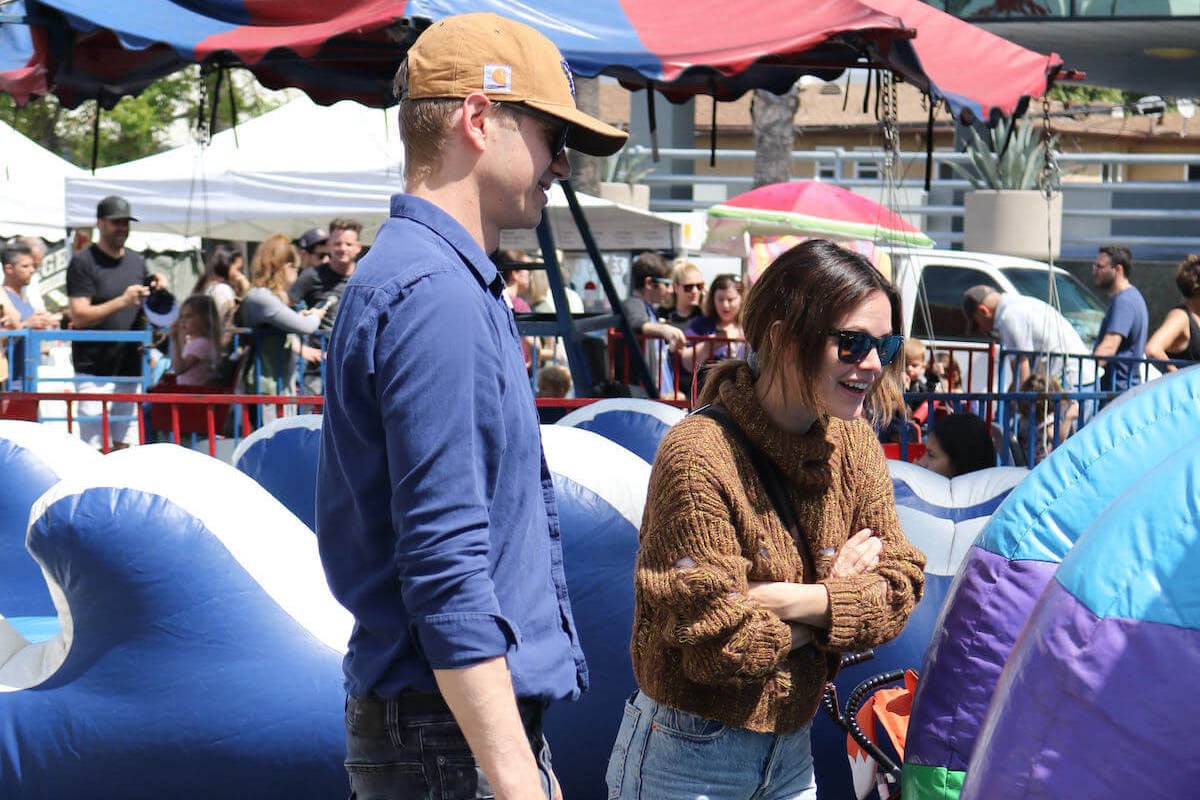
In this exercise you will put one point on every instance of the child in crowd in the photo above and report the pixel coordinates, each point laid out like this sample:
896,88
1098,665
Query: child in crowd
553,380
949,371
958,444
1039,417
194,341
920,376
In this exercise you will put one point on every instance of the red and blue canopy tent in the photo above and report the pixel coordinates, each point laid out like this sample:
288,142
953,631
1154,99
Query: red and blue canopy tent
349,49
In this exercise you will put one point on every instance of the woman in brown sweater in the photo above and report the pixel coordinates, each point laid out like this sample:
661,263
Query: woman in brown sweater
741,617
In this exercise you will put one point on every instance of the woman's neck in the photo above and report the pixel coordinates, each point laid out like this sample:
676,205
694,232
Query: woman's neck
789,417
1193,304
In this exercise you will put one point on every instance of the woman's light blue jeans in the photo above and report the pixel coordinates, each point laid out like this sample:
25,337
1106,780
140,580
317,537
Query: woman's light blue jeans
662,753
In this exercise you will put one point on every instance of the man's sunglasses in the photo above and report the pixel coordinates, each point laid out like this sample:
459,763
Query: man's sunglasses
555,129
854,346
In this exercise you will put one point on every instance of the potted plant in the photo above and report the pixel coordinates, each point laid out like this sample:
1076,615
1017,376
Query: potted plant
622,172
1007,211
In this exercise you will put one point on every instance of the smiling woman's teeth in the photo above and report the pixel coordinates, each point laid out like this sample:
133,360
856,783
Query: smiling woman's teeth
858,387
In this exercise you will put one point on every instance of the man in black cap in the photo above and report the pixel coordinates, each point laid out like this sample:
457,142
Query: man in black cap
106,285
314,247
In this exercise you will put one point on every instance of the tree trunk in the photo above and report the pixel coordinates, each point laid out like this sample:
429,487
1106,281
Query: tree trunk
773,117
585,169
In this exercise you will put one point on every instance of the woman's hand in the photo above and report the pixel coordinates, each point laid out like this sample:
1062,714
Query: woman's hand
859,554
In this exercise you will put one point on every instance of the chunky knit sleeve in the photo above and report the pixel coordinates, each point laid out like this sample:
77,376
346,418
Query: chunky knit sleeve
870,609
691,573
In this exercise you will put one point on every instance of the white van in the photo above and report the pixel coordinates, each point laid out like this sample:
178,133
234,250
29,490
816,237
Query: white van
932,284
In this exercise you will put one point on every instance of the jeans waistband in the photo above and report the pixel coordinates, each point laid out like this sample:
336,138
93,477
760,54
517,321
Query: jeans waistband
371,713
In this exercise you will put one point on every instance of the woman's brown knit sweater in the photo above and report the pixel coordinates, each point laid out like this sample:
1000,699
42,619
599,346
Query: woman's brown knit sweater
699,642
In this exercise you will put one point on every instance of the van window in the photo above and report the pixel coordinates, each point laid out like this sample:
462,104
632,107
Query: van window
939,314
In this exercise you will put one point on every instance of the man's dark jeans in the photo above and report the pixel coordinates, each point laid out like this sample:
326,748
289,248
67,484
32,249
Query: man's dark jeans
410,748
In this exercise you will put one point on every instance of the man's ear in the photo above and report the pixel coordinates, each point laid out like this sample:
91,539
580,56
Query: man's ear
475,119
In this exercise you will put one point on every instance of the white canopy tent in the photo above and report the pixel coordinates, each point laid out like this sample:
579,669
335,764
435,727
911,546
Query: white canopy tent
32,183
31,188
301,165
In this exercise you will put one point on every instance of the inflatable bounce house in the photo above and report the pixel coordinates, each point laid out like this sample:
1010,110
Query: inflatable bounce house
1058,665
195,650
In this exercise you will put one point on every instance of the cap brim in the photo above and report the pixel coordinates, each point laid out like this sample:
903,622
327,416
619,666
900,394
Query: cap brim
161,320
588,135
131,219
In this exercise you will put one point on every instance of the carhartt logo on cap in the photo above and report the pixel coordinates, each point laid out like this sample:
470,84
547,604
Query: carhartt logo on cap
497,78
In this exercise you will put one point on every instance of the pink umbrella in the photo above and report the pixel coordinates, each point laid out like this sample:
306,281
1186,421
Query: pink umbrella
806,208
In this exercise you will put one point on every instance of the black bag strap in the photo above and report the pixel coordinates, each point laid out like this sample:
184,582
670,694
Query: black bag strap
772,481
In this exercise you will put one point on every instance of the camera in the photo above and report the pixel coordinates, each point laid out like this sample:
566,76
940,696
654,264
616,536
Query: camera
148,281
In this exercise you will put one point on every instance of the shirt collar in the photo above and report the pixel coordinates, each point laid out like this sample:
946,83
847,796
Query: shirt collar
454,234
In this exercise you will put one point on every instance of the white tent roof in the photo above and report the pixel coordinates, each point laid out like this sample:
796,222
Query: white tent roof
299,166
31,187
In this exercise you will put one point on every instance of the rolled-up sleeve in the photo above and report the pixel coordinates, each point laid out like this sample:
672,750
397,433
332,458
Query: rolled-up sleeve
870,609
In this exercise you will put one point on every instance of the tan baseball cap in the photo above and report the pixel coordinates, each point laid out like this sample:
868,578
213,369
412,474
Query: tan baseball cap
509,62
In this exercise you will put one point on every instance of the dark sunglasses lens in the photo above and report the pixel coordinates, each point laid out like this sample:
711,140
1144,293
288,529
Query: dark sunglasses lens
853,347
693,287
889,348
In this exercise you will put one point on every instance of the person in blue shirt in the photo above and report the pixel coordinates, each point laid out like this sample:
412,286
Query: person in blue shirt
1126,323
18,264
436,518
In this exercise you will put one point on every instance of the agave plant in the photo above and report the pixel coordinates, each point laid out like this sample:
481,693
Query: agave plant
625,167
1017,167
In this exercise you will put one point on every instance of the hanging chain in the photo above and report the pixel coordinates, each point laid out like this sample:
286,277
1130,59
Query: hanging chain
203,134
891,132
1049,181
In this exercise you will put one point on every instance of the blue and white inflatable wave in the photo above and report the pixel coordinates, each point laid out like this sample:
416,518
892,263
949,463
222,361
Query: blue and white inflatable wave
637,424
282,457
200,649
33,458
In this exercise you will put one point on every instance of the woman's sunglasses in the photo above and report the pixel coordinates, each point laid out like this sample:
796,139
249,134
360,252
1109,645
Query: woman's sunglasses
853,346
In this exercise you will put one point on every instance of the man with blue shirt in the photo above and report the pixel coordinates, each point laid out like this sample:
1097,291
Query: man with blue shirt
18,264
1126,322
436,518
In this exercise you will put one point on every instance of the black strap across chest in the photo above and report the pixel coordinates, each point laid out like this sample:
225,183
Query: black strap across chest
772,481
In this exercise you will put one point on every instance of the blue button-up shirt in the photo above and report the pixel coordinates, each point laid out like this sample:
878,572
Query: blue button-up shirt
436,517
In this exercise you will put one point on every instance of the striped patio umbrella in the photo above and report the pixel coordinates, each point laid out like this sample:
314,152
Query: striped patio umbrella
806,208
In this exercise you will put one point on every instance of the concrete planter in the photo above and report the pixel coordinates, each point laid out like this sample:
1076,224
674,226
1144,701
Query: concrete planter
1012,222
627,194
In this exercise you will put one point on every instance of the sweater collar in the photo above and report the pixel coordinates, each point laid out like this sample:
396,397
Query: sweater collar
803,458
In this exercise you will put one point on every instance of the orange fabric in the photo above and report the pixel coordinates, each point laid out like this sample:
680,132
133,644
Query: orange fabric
893,707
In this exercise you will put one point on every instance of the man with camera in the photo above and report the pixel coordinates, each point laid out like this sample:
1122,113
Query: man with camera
106,285
321,287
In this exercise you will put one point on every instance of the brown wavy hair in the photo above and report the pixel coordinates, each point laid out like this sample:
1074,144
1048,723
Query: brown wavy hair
275,252
809,289
1187,279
